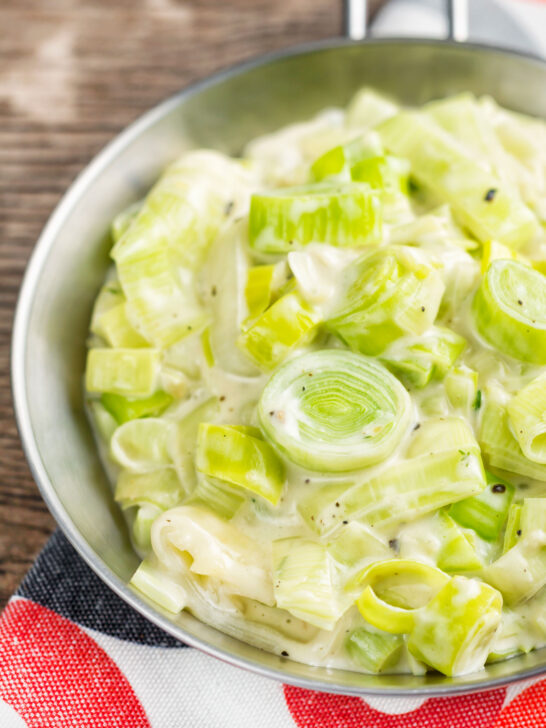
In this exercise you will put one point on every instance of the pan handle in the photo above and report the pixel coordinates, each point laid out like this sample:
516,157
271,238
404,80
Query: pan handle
356,19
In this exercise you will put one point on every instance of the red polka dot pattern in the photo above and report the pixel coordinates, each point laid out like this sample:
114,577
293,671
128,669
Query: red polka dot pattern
53,674
321,710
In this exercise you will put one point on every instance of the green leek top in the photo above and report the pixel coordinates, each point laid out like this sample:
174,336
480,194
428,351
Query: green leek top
317,379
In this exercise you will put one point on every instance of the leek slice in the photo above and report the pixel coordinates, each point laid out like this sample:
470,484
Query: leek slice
456,552
373,651
123,220
241,459
454,632
383,604
104,424
343,214
520,572
168,241
334,410
527,417
409,489
155,583
263,285
492,250
303,581
124,409
129,372
217,549
461,385
226,273
185,440
368,108
338,162
161,299
510,310
160,488
217,496
533,515
110,320
286,325
499,446
418,359
143,445
141,528
388,293
486,513
186,207
457,178
513,530
355,544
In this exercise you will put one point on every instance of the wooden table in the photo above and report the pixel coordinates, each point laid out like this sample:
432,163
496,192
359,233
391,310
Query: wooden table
73,73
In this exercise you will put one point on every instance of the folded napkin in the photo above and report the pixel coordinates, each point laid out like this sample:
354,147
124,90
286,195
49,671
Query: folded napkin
73,655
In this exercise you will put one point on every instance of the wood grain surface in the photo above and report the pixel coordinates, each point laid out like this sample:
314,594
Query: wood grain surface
72,74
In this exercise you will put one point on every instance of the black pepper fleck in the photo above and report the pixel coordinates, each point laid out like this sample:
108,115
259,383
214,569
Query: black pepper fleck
422,308
490,195
284,653
498,488
394,544
417,426
345,522
520,302
518,532
222,398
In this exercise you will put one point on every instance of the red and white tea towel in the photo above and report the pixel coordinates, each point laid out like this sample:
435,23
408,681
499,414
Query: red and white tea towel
73,655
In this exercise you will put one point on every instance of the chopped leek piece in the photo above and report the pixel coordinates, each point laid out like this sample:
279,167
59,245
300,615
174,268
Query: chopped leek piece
207,348
533,515
355,544
384,604
492,250
218,496
104,424
387,293
334,410
161,299
124,409
499,446
343,214
403,492
225,275
143,445
444,166
262,286
117,329
129,372
454,632
156,584
513,530
527,417
185,440
142,526
110,320
286,325
185,208
217,549
461,385
122,222
418,359
338,162
510,310
368,108
485,513
160,488
456,552
373,651
303,581
521,571
241,459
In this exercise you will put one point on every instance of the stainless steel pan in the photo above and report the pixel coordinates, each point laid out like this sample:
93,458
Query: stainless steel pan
69,262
